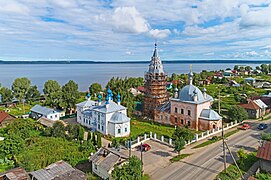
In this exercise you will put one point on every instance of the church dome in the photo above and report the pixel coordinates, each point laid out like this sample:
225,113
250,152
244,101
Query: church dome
188,92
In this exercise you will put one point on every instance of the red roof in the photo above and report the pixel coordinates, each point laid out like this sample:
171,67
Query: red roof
264,152
3,116
250,105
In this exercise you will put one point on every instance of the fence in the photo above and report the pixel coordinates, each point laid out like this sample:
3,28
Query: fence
169,142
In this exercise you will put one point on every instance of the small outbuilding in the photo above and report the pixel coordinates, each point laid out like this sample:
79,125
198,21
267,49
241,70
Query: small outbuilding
39,111
264,154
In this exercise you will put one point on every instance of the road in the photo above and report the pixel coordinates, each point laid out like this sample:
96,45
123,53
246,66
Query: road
206,163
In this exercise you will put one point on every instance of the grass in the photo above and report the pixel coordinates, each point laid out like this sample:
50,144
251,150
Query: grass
18,110
179,157
211,141
232,171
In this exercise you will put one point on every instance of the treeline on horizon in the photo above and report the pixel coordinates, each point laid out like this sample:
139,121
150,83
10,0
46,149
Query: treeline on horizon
67,96
133,62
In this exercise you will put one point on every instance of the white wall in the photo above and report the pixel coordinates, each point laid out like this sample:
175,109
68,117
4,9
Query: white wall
53,116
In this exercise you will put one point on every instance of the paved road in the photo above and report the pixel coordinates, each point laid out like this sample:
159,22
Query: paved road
208,162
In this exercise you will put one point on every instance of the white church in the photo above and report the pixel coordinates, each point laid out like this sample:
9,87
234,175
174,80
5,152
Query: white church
107,117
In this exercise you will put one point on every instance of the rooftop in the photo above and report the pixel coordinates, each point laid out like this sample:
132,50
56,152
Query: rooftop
58,171
264,152
15,174
250,105
119,117
3,116
209,114
43,110
112,107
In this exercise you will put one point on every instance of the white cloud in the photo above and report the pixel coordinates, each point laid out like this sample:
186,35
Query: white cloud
268,47
128,53
12,6
128,19
159,34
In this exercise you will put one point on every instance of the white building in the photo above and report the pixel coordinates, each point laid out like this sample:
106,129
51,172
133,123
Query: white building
39,111
107,117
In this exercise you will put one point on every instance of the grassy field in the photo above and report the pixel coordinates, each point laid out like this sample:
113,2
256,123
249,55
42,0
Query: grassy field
141,127
18,110
211,141
179,157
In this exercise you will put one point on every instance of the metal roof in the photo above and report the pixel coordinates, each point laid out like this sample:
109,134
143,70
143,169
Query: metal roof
119,117
59,170
43,110
264,152
210,115
260,103
87,103
112,107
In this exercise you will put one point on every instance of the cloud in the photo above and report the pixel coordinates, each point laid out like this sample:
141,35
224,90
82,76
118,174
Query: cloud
129,20
11,6
159,34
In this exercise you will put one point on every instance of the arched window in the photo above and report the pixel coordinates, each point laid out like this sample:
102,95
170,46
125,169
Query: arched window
188,123
176,120
176,110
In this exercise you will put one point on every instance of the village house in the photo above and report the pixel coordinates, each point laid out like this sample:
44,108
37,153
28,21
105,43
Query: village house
15,174
255,108
60,170
5,118
264,155
104,160
39,111
107,117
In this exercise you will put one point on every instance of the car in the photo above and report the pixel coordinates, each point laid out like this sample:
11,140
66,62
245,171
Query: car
245,127
262,126
145,147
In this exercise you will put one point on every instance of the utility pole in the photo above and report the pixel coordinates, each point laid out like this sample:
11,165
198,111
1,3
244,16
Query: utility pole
242,177
223,138
141,155
130,147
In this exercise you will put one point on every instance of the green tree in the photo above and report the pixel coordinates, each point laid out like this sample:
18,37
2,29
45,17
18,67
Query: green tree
52,92
58,130
179,144
115,144
95,88
20,88
33,94
6,95
237,113
70,95
184,133
131,170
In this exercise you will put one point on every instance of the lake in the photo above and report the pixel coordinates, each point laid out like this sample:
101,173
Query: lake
85,74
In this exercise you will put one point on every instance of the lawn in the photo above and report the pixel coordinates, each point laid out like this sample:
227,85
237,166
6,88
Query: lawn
213,140
179,157
18,110
141,127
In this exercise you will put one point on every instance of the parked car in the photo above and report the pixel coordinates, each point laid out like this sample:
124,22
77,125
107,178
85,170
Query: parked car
245,127
145,147
262,126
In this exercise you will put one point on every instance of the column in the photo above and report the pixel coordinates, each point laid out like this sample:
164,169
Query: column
170,141
145,136
154,135
138,139
197,137
162,138
150,134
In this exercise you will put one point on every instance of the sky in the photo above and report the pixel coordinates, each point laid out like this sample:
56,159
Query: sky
106,30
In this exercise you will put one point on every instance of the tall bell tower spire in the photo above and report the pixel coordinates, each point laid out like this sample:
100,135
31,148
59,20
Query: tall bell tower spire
156,65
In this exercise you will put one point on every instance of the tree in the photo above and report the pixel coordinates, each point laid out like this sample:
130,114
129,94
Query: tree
6,95
58,129
20,88
115,144
70,95
131,170
237,113
95,88
179,144
52,92
184,133
236,67
32,94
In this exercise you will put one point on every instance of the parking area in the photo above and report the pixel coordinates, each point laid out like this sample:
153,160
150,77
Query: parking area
158,156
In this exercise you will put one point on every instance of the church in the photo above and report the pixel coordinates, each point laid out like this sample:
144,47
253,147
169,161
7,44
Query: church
189,107
107,117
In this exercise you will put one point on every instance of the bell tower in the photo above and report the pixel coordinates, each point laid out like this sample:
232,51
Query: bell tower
155,94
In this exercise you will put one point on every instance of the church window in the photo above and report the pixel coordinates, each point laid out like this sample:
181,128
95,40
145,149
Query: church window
98,126
125,129
189,113
176,110
99,117
102,128
176,119
181,121
188,124
213,126
118,131
181,111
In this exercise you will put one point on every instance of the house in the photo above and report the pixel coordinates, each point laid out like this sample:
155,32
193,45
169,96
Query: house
233,83
218,75
107,117
227,73
250,80
255,108
39,111
5,117
264,154
104,160
58,171
15,174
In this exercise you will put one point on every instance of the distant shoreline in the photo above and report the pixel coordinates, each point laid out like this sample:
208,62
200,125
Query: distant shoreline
142,62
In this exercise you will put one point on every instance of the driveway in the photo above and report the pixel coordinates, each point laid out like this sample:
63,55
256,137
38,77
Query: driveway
157,157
